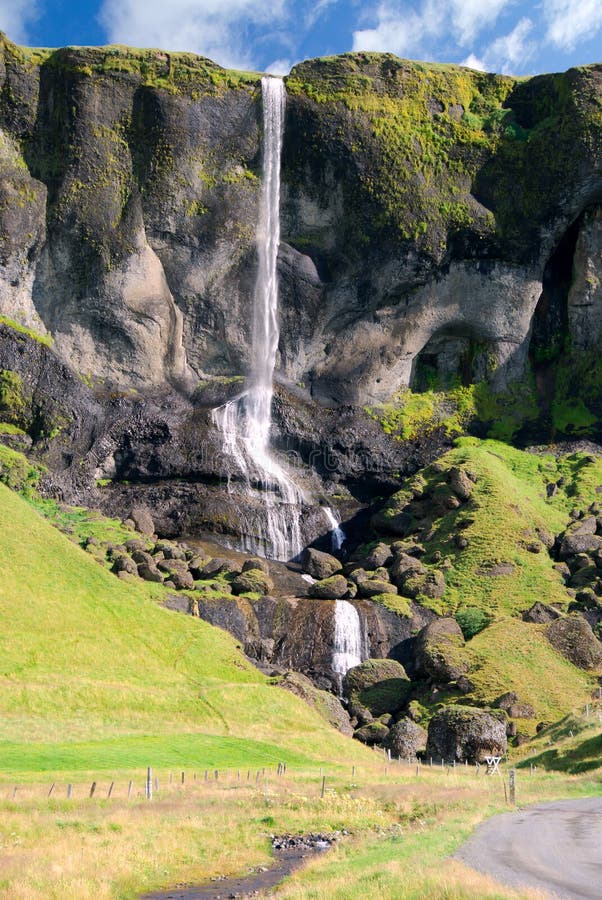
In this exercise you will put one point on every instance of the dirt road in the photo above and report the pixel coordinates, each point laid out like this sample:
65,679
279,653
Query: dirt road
556,847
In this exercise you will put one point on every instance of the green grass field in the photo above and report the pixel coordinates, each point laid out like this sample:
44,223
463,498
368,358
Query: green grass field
95,674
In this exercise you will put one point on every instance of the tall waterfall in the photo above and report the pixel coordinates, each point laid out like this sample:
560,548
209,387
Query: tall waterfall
245,421
349,646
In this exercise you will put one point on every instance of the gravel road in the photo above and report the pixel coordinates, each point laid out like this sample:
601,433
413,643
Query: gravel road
556,847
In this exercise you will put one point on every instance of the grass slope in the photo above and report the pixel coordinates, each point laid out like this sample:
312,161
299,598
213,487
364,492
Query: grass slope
509,507
91,667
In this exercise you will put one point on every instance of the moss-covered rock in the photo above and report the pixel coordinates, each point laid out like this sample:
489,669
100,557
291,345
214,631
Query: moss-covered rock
465,733
379,685
322,701
440,653
405,739
333,588
372,734
573,637
252,581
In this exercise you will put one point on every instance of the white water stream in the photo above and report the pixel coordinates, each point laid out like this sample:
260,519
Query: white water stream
349,646
245,421
337,535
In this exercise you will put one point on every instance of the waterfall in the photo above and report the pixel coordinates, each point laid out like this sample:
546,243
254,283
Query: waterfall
337,535
245,421
349,649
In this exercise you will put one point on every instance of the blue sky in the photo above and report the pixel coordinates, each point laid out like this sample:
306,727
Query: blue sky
271,35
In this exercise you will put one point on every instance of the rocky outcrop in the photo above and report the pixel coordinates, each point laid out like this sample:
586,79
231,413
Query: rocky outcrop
322,701
405,739
464,733
573,637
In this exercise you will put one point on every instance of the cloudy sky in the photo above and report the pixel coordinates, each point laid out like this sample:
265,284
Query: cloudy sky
271,35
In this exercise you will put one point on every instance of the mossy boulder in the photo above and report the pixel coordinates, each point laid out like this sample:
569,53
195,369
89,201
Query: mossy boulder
371,587
465,733
379,685
460,483
252,581
431,585
220,566
333,588
440,653
256,562
403,567
372,734
320,565
405,739
573,637
124,563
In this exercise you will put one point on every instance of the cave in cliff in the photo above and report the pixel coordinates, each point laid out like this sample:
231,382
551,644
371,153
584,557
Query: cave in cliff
449,357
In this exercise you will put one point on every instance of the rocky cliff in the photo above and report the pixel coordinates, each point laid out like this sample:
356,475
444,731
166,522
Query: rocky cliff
437,223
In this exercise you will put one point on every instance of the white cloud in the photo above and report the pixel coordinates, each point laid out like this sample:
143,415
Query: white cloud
405,31
473,62
509,54
316,11
572,21
279,67
15,16
214,28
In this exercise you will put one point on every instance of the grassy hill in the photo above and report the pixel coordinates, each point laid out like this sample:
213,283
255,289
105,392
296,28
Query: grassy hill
95,673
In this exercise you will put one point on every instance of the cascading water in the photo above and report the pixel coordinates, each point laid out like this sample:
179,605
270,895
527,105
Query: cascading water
349,646
245,421
337,535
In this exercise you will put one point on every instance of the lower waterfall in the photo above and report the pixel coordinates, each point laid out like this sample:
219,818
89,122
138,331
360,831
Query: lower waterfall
349,645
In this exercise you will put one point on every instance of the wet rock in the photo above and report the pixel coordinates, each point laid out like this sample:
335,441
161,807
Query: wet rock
465,733
320,565
333,588
440,652
405,739
573,637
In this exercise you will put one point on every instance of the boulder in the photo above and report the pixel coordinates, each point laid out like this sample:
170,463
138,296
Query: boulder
125,564
405,739
333,588
150,573
320,565
431,585
380,555
460,483
572,544
142,519
371,587
378,685
573,637
182,581
256,562
540,613
511,704
196,565
374,733
220,566
587,525
252,581
141,557
465,733
173,565
440,652
403,567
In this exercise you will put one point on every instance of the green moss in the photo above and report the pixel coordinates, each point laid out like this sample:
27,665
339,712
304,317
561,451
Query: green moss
397,604
45,339
13,400
17,472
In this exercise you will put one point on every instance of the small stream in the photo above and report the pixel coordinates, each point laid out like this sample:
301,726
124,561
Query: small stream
290,853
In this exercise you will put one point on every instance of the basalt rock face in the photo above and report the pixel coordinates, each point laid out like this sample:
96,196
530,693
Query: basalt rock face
419,208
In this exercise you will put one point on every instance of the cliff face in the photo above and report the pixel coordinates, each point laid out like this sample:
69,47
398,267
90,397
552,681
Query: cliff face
420,207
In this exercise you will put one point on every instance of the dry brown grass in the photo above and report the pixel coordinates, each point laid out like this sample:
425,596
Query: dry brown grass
401,828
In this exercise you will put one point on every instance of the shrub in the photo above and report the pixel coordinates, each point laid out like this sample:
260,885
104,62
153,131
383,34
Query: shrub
471,620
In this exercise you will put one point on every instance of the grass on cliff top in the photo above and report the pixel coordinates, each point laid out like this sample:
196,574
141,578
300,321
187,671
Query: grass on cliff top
577,744
90,660
173,72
